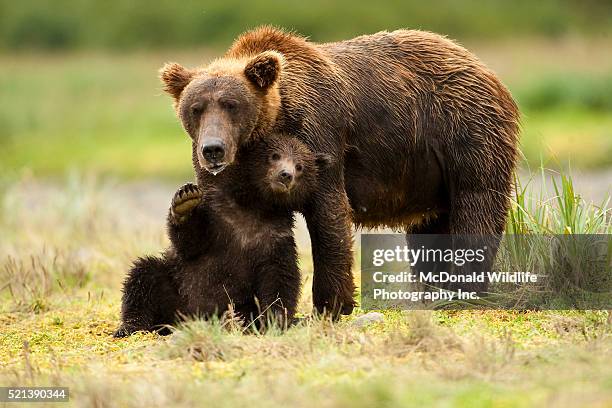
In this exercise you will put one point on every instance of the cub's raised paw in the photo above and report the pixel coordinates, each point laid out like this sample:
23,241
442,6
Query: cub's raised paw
185,200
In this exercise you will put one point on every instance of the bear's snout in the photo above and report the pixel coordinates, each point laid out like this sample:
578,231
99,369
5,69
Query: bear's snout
285,177
214,151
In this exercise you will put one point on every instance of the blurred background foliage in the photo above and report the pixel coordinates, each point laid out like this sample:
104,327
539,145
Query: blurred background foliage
79,87
68,24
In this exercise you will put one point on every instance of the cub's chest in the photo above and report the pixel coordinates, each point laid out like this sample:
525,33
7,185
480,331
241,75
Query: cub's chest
250,227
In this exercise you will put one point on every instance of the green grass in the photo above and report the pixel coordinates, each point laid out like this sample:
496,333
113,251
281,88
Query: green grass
105,114
563,136
566,212
417,359
574,91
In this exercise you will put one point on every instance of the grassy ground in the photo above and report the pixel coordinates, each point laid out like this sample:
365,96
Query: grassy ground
106,112
67,245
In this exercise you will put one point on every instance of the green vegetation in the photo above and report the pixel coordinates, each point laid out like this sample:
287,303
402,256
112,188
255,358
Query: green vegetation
144,24
534,212
89,112
578,91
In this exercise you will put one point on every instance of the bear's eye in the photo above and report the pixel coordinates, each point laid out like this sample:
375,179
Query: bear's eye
275,157
298,167
197,109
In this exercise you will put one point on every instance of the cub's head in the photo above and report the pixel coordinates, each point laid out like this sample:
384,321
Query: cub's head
284,169
225,104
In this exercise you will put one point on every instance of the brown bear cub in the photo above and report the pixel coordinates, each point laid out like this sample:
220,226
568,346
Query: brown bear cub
231,244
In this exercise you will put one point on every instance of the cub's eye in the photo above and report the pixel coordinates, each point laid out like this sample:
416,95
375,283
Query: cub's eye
298,167
275,157
229,105
197,109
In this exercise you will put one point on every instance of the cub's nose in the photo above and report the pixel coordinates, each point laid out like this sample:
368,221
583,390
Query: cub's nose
285,177
214,151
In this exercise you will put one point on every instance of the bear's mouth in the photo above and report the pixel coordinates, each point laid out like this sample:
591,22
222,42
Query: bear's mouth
216,168
280,188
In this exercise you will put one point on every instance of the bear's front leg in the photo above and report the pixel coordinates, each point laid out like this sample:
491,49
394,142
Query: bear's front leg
187,222
328,216
150,300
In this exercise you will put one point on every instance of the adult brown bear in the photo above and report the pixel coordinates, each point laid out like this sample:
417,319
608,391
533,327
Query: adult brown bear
422,134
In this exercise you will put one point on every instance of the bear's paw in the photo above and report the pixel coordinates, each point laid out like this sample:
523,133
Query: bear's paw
184,201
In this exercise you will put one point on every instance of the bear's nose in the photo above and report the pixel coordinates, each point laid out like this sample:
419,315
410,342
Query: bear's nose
213,151
285,177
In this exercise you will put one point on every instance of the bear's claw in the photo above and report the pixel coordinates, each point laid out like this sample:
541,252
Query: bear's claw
184,201
121,332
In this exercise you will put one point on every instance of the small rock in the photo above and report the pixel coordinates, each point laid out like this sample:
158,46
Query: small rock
368,318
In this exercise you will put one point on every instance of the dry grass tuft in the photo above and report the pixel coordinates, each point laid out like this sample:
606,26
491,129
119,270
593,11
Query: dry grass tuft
31,281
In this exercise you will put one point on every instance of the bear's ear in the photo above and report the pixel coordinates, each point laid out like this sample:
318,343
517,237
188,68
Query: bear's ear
175,78
323,161
263,70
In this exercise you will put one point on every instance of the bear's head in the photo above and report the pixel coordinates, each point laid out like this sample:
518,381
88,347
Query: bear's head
226,104
283,169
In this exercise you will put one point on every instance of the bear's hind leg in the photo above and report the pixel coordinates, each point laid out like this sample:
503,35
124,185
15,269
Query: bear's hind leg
437,230
476,220
479,218
150,300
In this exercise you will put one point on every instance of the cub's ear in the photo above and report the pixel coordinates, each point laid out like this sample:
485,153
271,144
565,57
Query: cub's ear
264,69
323,161
175,78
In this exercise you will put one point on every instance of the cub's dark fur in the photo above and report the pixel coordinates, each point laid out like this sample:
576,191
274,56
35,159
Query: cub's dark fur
231,244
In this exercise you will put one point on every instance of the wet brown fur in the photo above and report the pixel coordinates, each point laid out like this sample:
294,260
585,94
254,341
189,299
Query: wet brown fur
423,135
